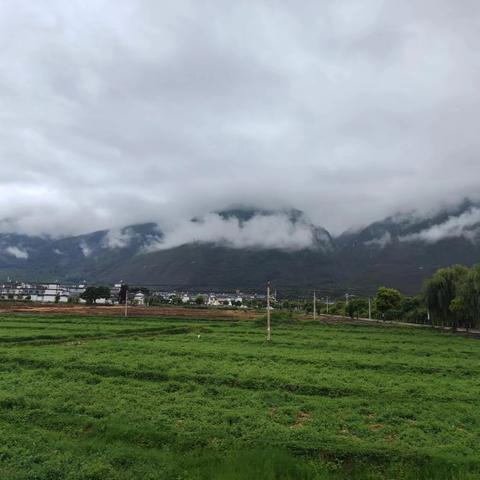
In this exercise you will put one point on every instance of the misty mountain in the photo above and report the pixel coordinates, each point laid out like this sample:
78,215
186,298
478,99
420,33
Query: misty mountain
243,248
74,258
401,251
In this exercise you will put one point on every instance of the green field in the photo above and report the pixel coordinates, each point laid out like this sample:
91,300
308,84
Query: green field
106,398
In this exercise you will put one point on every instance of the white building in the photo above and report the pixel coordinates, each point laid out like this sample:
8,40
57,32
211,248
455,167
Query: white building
139,299
213,301
53,292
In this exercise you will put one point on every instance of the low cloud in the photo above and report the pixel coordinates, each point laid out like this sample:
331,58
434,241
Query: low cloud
17,252
466,225
86,250
380,242
118,238
261,231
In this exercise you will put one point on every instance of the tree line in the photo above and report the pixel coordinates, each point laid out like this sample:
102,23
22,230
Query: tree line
450,298
387,304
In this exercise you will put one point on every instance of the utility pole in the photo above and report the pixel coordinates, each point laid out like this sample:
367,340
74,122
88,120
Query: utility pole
369,308
346,299
269,330
327,305
126,302
314,305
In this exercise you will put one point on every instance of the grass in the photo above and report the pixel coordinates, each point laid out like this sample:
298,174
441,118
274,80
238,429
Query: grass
106,398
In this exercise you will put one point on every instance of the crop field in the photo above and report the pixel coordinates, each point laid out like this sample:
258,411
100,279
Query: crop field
168,398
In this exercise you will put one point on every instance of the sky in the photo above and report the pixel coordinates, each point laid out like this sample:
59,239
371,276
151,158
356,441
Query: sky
115,112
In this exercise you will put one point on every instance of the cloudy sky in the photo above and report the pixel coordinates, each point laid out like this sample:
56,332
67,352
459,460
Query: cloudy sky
115,112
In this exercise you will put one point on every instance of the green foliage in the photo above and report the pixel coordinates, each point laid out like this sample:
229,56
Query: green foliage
439,293
357,307
287,305
413,310
93,293
388,302
155,300
199,300
338,308
176,300
466,306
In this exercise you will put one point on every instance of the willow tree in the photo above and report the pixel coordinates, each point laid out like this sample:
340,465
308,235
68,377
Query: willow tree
439,293
467,302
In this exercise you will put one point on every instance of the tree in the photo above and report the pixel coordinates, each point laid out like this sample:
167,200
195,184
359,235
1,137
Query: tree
466,306
199,300
412,309
122,294
92,294
103,292
388,302
176,300
308,307
338,308
357,307
154,300
439,293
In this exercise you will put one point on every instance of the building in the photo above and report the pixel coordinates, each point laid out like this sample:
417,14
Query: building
139,299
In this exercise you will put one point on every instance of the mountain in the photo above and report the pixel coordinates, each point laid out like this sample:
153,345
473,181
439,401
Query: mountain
72,259
401,251
224,264
244,248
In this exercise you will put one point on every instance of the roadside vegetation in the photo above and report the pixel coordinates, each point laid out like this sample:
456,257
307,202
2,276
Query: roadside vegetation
450,299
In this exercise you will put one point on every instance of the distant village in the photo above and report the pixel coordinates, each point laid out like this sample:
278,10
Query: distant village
60,293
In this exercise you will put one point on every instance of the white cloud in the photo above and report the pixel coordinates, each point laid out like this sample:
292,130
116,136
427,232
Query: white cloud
380,242
85,248
466,225
17,252
118,238
261,231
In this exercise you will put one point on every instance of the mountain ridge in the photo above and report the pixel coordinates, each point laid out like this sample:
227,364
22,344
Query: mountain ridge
399,251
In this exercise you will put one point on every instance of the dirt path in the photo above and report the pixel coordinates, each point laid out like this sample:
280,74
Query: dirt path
116,311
